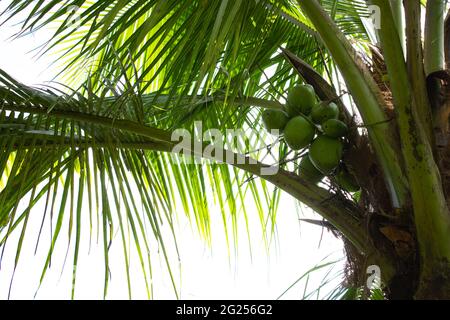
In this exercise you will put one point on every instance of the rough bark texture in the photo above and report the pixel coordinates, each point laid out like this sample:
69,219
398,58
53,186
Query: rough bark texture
437,285
443,130
393,231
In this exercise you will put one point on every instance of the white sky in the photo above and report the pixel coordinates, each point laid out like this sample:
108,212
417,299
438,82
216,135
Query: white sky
206,273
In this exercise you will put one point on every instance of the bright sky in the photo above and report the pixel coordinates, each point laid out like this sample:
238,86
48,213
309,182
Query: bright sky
207,273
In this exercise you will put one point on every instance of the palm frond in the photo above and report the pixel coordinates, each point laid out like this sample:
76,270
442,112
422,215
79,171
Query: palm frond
142,69
52,148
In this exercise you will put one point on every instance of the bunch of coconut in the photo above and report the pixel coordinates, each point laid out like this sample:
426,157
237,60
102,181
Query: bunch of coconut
309,124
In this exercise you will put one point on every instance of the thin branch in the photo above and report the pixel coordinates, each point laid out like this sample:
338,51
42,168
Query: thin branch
337,210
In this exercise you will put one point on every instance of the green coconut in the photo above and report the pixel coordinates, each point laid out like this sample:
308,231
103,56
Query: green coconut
347,181
308,172
299,133
334,128
325,153
323,112
301,100
274,119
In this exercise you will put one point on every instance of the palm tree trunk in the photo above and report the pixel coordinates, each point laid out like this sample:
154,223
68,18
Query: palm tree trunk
427,205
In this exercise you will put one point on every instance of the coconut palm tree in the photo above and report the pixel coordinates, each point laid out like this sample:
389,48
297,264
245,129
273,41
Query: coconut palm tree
157,66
